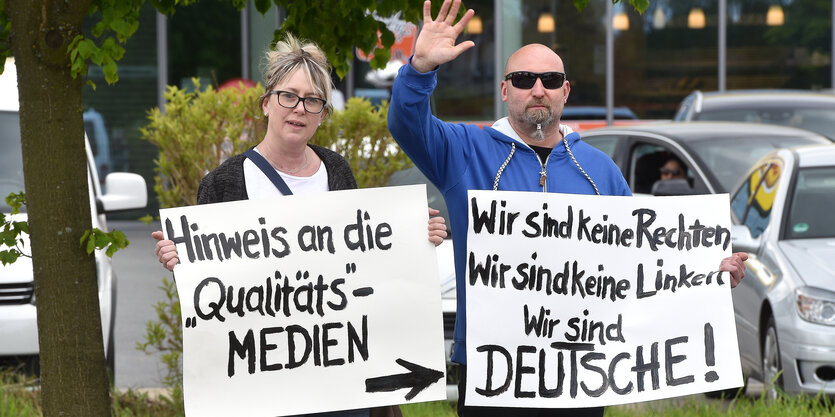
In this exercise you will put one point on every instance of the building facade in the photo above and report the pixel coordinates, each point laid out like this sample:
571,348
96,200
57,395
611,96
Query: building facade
655,58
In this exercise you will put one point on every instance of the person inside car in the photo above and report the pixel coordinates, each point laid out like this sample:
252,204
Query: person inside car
673,169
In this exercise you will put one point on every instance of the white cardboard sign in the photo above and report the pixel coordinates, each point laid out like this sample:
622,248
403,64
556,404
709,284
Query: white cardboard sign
308,303
580,301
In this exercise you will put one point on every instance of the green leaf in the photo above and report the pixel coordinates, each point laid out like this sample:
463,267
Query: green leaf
165,7
118,237
111,250
581,4
381,58
23,227
102,240
85,236
98,29
386,36
640,5
85,47
98,239
262,6
9,238
16,201
123,29
91,246
9,256
110,70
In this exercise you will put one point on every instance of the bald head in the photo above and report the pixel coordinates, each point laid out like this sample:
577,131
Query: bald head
533,109
534,57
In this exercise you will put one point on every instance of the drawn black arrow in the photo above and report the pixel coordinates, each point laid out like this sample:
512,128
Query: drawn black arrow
418,379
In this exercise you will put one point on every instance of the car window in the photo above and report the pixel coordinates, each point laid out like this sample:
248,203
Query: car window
819,120
11,162
604,143
729,160
647,161
733,115
644,162
739,202
810,212
753,203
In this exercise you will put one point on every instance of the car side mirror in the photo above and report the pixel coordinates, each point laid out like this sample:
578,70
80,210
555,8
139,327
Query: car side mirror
125,191
678,186
742,241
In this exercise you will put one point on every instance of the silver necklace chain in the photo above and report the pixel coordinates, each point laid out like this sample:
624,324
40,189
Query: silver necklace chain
306,163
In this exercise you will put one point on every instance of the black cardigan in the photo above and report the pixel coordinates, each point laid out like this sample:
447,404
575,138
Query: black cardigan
226,182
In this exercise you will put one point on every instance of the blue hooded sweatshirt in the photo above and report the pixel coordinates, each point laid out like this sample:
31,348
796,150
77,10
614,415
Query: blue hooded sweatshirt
458,158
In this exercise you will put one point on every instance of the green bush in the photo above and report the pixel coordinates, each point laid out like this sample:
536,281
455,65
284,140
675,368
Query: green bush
360,134
198,131
202,128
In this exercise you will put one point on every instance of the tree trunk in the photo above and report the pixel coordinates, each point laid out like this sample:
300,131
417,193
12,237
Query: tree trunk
73,376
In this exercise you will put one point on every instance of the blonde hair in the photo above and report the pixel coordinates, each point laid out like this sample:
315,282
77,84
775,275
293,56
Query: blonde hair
291,54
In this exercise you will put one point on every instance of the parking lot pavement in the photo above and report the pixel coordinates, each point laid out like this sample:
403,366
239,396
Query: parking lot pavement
139,277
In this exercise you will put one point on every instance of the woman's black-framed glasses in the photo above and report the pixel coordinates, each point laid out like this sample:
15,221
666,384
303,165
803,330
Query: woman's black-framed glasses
290,100
525,80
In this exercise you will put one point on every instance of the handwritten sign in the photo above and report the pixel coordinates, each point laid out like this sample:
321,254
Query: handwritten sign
308,303
579,301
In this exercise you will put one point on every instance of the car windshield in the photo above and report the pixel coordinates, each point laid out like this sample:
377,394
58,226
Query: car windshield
819,120
11,163
810,208
730,158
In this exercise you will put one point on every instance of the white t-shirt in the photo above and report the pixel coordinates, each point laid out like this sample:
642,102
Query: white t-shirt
259,186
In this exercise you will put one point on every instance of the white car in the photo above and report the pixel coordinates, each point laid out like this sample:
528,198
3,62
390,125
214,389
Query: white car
785,306
125,191
446,269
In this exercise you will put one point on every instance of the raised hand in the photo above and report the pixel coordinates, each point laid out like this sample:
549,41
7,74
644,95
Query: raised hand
435,43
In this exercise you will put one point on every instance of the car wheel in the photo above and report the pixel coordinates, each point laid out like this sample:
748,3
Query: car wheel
772,366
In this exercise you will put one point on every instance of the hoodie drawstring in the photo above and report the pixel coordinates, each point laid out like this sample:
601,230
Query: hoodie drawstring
504,165
568,149
565,142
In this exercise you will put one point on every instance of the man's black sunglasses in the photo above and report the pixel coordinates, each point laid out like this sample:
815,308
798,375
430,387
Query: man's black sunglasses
525,80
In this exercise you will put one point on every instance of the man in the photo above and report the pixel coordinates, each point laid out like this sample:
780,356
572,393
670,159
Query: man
527,151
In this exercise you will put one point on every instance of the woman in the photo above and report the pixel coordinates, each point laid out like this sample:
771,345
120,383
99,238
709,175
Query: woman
296,100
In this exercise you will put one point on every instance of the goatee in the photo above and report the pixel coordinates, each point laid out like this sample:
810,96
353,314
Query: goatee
539,119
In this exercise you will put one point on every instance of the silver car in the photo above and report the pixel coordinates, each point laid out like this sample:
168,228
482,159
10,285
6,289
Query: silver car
785,306
810,110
